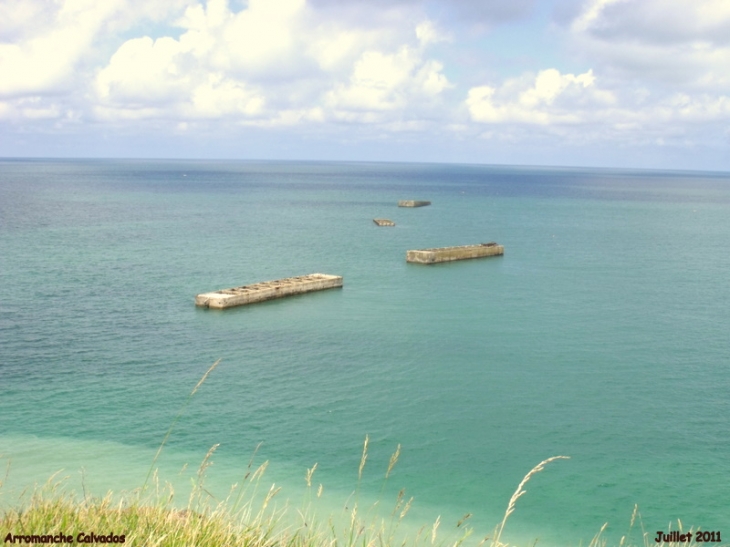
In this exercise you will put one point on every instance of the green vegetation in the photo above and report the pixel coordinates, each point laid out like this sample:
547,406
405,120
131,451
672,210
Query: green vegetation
248,517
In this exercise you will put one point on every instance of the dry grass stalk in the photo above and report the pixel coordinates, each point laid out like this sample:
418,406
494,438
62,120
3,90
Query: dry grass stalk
633,515
434,529
398,501
393,460
597,537
206,463
179,414
309,474
260,470
406,508
270,495
519,493
250,462
363,457
205,377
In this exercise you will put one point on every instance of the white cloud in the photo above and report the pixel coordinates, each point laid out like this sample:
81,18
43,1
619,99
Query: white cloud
19,15
410,69
657,21
661,73
43,60
381,81
549,97
272,61
427,33
144,71
262,39
44,42
576,110
549,84
592,14
218,97
29,108
680,43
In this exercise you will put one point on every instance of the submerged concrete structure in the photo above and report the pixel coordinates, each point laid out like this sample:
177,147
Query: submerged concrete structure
413,203
267,290
383,222
447,254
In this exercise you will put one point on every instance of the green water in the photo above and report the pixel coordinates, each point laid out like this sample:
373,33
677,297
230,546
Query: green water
602,335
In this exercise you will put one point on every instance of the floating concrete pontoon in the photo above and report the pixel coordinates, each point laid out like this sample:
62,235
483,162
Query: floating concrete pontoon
413,203
268,290
446,254
383,222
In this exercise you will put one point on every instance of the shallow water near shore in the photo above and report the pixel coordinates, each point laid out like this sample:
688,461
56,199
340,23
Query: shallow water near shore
600,335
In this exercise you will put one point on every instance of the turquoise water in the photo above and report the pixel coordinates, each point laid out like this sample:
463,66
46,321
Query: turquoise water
602,335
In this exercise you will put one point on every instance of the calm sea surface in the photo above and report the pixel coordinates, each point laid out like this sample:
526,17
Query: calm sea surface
603,334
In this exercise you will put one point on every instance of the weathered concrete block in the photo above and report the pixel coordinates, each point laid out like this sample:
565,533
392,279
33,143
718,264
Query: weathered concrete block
413,203
267,290
447,254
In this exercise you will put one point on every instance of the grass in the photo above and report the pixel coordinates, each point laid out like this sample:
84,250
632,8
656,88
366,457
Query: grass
250,516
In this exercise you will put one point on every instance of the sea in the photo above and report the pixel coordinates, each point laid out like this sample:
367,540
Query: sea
601,335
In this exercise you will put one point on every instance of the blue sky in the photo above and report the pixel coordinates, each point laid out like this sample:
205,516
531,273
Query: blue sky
615,83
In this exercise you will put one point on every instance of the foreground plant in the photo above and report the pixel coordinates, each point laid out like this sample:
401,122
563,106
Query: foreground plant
246,518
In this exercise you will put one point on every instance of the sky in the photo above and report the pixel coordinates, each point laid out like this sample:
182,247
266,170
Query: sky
606,83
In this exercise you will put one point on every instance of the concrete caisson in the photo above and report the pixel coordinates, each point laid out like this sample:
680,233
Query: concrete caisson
267,290
447,254
412,203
